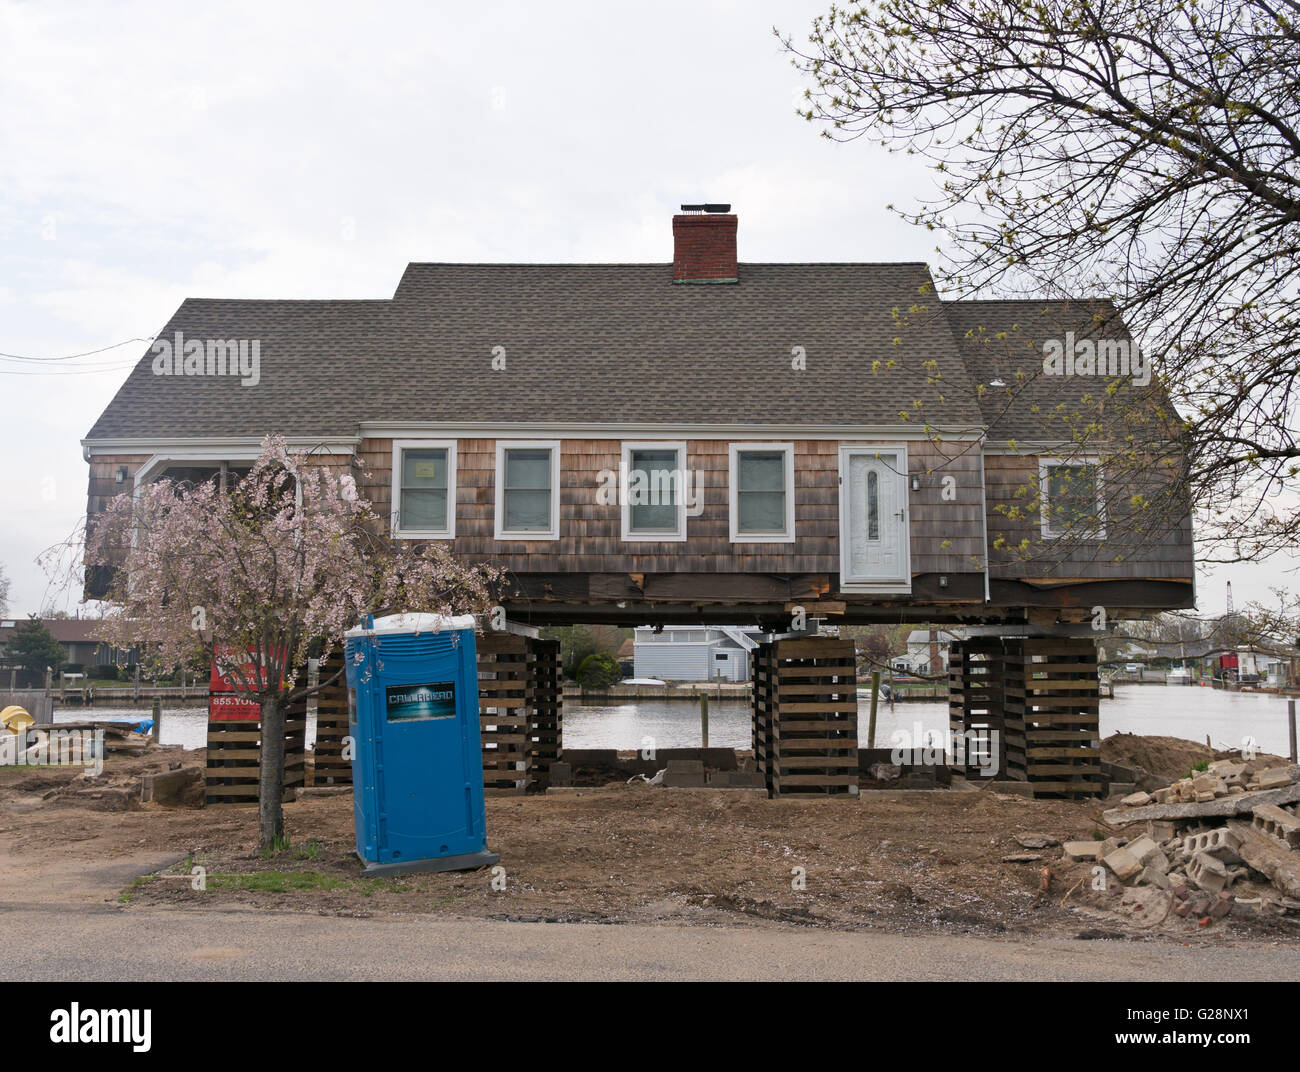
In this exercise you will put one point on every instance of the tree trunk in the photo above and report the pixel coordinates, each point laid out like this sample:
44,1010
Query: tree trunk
270,813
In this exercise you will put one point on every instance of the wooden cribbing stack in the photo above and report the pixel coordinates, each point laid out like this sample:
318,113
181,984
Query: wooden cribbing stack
1051,687
805,721
519,710
332,724
977,714
545,695
234,747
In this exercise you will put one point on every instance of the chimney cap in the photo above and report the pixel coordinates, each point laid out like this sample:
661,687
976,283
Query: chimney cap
706,208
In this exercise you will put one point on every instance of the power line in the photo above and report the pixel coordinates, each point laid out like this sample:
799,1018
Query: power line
74,357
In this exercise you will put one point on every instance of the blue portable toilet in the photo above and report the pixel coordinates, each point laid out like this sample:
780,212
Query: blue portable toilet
417,767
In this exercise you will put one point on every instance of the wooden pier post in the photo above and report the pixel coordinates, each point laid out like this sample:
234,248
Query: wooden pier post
1290,717
157,719
875,699
704,720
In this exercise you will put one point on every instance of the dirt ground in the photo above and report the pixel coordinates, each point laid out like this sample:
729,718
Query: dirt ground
907,862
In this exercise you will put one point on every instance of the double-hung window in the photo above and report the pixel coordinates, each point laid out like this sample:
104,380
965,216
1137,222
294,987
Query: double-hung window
761,483
654,491
424,489
1070,491
528,490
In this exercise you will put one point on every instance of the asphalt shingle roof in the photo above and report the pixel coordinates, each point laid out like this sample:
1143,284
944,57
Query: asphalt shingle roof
588,343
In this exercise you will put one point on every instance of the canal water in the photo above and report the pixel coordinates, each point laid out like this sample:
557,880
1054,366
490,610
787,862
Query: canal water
1154,710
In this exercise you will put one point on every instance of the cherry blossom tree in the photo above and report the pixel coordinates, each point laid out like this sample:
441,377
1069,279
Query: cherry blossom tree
261,574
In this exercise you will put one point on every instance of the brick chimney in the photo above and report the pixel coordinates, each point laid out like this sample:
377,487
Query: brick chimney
704,245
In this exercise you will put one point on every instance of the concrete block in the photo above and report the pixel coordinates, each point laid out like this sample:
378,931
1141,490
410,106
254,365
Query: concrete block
1209,874
1145,850
1083,850
1221,843
1136,800
1278,824
171,787
1153,877
1161,830
684,774
737,780
1124,864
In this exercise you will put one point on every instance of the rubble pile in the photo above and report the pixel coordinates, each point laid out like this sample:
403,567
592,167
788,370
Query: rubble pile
1208,835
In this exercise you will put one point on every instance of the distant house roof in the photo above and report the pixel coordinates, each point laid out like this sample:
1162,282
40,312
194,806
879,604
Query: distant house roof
64,630
608,343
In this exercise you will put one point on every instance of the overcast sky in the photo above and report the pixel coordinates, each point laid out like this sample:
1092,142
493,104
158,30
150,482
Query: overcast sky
153,152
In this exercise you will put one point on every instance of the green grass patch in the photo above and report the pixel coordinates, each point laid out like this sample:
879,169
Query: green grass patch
125,896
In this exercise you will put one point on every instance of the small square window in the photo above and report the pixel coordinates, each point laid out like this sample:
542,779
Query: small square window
1071,496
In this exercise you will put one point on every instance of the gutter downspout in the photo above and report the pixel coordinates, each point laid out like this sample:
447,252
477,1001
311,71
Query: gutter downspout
984,522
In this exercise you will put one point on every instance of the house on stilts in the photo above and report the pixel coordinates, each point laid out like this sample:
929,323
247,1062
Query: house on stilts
728,444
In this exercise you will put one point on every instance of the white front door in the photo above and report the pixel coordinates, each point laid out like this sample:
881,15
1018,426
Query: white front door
873,519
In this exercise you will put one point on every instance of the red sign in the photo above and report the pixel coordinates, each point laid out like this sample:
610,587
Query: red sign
224,703
228,707
1228,662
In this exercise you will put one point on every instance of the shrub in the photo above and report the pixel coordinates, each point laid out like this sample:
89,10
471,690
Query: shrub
598,671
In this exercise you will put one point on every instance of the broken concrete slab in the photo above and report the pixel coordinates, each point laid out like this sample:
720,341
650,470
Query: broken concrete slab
1124,864
1280,866
1022,858
1083,850
1136,800
1153,877
171,787
1221,807
1273,778
1035,841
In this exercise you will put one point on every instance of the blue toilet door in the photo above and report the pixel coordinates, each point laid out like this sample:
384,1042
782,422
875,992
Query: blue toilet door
425,802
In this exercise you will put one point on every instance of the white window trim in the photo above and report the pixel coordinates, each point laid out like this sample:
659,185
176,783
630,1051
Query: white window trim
1046,462
625,466
734,450
500,480
401,532
888,587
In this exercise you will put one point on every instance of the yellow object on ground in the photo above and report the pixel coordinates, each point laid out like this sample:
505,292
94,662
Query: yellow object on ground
16,719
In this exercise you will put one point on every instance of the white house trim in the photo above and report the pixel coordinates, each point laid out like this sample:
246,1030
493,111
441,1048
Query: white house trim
620,431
